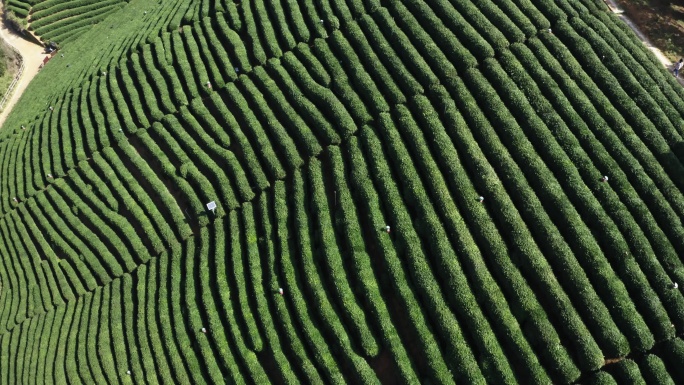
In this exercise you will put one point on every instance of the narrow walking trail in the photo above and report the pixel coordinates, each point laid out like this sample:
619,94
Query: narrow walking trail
32,55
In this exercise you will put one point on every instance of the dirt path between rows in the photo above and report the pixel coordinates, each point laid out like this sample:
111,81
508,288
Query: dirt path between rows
32,55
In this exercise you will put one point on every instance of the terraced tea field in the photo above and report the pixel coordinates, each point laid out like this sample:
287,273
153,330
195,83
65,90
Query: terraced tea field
424,181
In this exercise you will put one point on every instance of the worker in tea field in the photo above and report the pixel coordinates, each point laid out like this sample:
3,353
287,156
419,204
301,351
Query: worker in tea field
678,66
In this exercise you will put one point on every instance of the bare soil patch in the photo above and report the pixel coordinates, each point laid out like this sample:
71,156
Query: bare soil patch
662,21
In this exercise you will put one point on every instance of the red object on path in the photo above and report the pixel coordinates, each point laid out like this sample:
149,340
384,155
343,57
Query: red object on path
45,60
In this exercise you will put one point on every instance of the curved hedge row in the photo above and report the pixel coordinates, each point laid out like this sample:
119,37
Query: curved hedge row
313,125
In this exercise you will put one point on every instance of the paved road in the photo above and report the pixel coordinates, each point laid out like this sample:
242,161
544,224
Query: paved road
33,56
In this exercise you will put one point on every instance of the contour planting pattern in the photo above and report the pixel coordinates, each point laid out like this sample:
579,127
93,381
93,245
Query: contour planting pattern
346,144
62,20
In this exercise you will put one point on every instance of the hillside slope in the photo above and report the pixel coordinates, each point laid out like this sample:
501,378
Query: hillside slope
61,21
446,192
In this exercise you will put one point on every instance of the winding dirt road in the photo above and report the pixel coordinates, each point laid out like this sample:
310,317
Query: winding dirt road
33,56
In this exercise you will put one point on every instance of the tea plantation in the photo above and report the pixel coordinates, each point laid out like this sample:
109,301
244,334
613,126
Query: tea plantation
407,192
